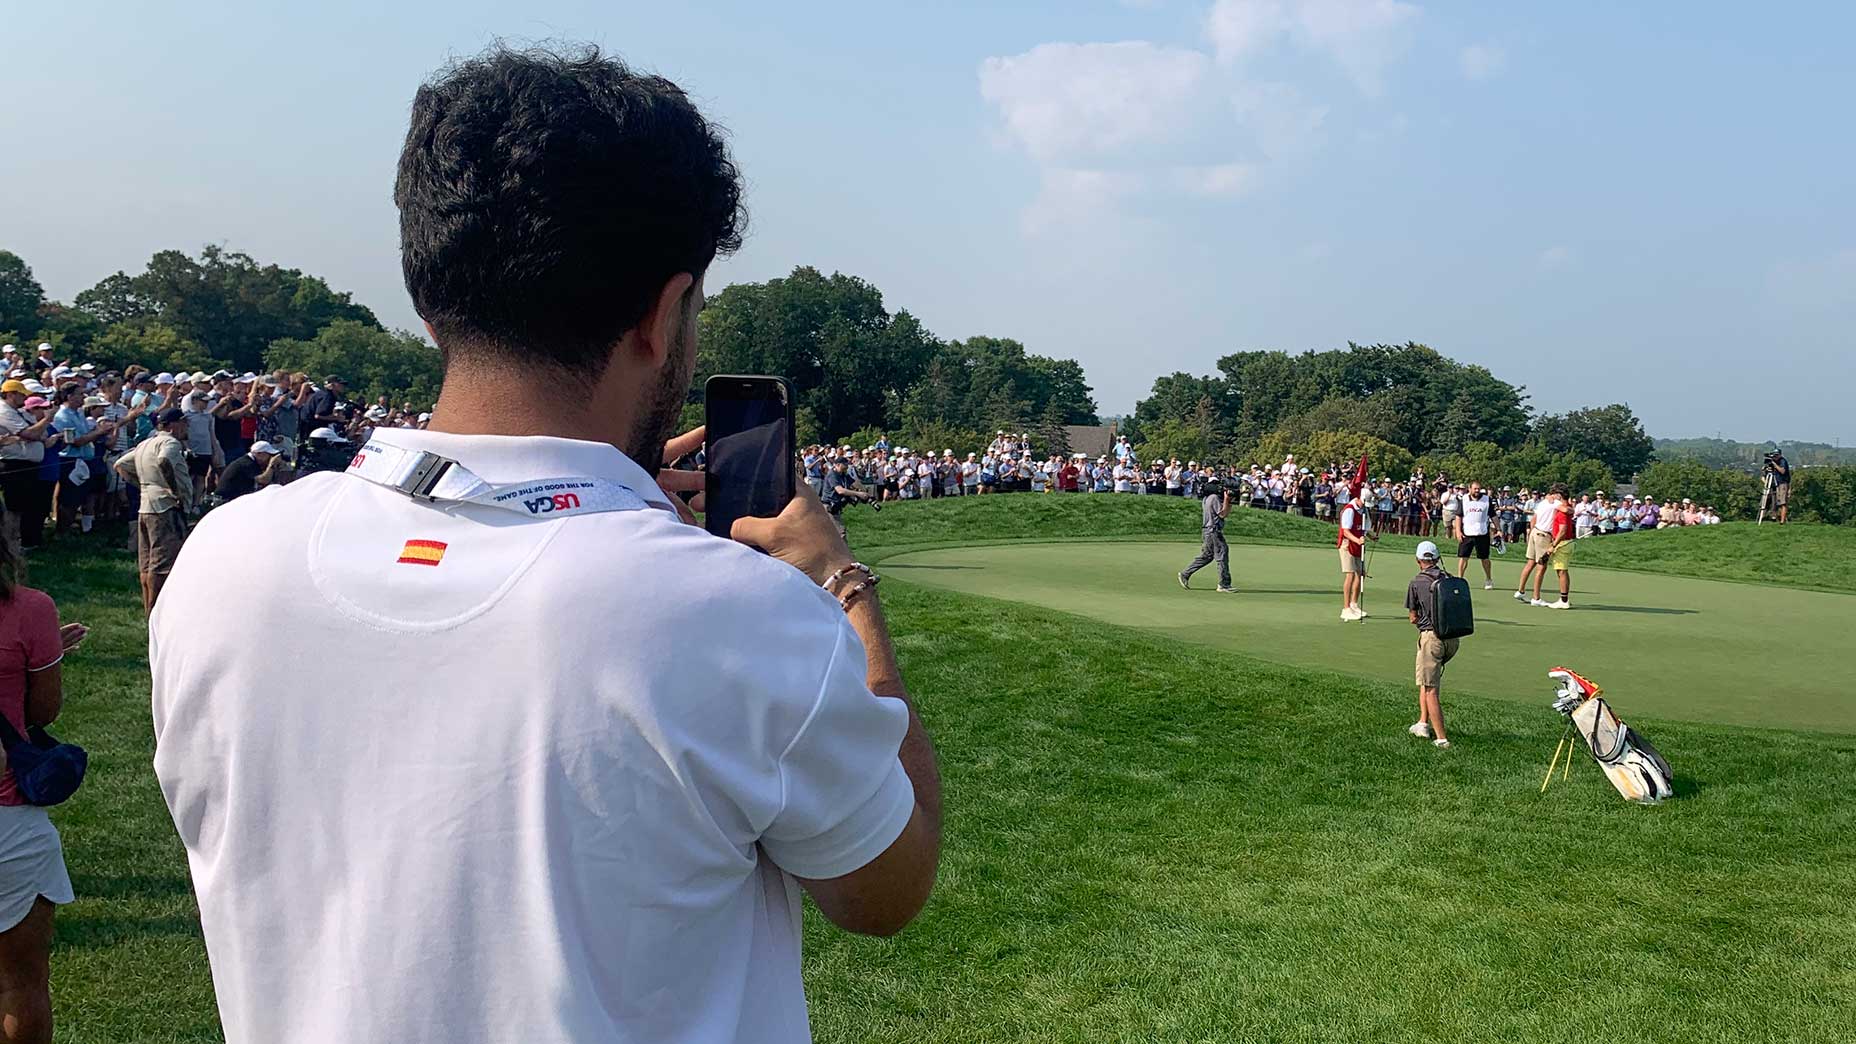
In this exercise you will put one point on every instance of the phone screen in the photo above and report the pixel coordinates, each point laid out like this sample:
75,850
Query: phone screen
749,451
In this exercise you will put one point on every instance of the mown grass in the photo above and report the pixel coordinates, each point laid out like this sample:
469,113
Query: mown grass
1797,555
1155,841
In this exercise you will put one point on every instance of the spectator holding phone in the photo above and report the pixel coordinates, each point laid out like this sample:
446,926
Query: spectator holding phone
33,882
595,754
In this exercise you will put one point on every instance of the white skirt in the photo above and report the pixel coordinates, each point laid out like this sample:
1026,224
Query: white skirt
31,863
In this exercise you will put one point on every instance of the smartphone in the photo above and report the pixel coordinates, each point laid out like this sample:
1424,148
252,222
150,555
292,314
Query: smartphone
748,449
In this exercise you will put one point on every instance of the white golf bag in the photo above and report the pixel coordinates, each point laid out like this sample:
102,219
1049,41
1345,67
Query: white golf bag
1634,767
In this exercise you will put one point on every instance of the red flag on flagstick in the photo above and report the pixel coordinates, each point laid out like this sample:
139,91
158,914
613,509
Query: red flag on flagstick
1359,476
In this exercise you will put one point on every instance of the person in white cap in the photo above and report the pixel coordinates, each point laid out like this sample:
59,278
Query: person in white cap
46,360
262,465
1433,652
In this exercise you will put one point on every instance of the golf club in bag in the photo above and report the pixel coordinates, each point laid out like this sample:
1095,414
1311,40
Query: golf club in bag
1634,767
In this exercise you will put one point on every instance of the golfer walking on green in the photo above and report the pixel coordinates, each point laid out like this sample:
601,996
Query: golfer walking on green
1213,508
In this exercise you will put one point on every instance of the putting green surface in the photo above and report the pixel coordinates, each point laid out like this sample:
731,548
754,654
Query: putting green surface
1667,647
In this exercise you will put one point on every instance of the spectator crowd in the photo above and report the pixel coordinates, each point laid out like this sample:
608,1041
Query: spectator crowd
69,431
1420,505
65,427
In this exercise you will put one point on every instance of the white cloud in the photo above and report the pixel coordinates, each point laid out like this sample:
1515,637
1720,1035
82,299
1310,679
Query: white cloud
1281,121
1554,258
1067,196
1064,102
1223,179
1118,125
1362,36
1483,60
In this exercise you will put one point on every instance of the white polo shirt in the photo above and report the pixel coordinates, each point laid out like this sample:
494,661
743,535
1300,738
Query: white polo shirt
446,773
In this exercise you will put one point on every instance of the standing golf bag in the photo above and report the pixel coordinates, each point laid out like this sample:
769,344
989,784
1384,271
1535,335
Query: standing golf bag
1634,767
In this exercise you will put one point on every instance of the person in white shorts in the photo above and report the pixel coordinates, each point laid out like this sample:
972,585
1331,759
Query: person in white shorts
33,881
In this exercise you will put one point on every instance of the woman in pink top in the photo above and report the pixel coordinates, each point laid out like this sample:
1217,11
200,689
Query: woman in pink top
32,874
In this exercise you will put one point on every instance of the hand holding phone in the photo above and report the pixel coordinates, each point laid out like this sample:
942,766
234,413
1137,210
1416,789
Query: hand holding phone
750,450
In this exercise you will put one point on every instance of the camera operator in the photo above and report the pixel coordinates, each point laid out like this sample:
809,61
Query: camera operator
839,487
1778,473
1213,508
586,756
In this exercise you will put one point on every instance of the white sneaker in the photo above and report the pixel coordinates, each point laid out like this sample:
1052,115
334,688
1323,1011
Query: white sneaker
1561,604
1360,614
1538,602
1489,586
1519,597
1441,744
1348,615
1420,729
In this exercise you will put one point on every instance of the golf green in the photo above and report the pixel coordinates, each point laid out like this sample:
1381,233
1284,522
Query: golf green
1669,647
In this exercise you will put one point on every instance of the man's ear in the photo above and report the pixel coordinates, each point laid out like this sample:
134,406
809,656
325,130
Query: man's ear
657,331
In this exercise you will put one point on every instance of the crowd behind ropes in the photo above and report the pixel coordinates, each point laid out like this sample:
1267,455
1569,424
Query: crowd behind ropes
70,435
1420,505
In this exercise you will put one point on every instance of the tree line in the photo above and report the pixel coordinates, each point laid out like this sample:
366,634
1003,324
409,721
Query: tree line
860,370
221,310
1403,405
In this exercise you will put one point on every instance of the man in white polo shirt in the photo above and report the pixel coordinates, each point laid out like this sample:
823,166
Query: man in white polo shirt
584,757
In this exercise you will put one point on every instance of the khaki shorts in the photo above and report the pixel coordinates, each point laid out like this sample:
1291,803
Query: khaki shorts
1781,494
1562,559
1539,546
1433,653
1351,563
158,536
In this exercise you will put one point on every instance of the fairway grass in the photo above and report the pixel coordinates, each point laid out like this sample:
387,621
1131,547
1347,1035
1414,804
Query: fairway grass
1158,840
1809,556
1663,647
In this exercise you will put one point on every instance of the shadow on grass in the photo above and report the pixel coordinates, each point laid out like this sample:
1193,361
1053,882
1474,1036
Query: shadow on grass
1683,786
77,931
1654,610
130,886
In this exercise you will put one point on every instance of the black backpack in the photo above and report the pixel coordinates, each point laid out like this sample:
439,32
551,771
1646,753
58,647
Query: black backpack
1453,615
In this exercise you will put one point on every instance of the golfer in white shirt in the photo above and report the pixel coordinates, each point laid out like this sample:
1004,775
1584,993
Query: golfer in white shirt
536,759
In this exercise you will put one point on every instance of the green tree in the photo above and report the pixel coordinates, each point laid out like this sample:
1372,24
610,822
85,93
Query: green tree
1731,491
149,342
226,301
1824,494
1611,434
375,361
1338,447
115,299
21,296
1174,438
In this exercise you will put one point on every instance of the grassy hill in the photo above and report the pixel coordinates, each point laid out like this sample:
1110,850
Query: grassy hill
1799,555
1149,840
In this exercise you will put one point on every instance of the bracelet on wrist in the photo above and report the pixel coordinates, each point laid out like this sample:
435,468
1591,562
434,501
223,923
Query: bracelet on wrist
830,583
867,584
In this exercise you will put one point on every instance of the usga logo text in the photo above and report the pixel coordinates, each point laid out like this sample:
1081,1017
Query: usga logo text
557,502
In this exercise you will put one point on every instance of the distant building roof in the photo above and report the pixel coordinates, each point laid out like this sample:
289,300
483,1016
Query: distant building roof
1093,439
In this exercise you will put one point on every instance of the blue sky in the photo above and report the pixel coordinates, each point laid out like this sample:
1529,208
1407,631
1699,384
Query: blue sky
1649,203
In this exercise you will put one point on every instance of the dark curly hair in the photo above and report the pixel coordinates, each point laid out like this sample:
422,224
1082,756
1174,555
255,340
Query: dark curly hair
546,196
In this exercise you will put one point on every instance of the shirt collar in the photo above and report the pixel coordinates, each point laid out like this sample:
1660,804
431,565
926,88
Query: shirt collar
524,458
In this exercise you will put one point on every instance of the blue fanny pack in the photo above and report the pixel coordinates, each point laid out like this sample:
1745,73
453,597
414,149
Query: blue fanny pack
46,771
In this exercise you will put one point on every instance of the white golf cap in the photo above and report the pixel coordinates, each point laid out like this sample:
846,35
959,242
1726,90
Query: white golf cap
9,350
1427,551
264,447
199,376
45,346
164,378
330,434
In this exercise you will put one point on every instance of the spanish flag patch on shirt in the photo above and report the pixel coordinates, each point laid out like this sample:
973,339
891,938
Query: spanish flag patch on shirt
422,552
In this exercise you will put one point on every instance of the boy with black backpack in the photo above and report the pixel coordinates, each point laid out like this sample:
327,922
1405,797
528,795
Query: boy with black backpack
1440,608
